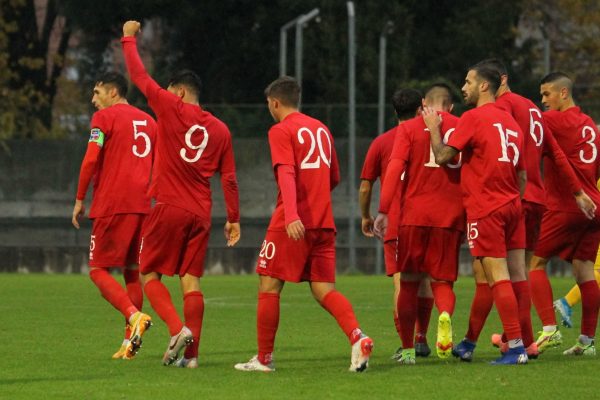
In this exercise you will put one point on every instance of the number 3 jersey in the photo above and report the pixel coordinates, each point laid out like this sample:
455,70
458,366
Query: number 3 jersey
492,149
578,137
306,144
126,136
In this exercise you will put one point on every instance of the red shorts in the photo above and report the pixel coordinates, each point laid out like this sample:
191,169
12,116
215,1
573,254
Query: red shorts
115,240
390,255
429,250
532,214
174,242
309,259
494,234
568,236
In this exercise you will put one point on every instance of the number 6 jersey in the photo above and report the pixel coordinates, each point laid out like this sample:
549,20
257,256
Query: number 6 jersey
306,144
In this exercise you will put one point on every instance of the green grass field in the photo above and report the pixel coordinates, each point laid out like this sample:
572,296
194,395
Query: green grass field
57,335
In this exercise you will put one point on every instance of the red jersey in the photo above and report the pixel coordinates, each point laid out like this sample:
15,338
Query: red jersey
126,136
538,141
306,144
192,146
375,166
433,195
491,142
578,137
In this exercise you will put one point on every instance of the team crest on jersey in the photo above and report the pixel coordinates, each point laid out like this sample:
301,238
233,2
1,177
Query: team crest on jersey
97,136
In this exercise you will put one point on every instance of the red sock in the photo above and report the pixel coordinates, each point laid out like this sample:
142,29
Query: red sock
480,309
267,322
112,291
134,291
160,300
590,301
508,310
193,311
523,295
424,307
407,312
445,299
397,323
541,295
341,309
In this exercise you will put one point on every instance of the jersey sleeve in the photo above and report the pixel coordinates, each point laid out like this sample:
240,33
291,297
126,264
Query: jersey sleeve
100,127
553,150
522,161
282,151
372,166
395,168
463,133
229,181
334,171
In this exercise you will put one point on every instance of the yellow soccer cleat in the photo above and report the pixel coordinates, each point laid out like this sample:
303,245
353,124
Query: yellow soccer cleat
548,340
121,353
140,323
444,336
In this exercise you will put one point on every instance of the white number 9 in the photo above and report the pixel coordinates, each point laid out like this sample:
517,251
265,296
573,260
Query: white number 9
190,145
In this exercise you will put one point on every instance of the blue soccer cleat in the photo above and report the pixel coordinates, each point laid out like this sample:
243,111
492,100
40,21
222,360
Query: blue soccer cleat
464,350
565,311
514,356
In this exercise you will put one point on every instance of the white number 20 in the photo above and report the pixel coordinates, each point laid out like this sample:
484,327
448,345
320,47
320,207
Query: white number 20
188,142
137,134
306,164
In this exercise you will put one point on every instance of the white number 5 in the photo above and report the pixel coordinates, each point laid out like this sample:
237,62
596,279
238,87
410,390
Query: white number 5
190,145
137,134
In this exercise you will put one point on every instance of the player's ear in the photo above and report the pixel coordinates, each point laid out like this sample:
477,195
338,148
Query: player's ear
564,93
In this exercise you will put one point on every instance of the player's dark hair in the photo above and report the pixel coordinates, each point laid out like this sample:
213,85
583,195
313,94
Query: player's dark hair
285,89
114,79
406,103
488,74
187,78
555,76
495,64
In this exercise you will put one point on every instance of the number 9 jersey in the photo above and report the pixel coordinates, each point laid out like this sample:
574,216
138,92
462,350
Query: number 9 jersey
306,144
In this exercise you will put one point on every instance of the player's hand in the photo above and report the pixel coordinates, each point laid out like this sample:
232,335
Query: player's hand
131,28
78,212
586,205
366,226
232,233
431,118
295,230
380,225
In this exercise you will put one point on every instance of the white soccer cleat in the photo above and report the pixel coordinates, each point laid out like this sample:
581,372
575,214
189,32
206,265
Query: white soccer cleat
361,352
182,339
187,362
255,365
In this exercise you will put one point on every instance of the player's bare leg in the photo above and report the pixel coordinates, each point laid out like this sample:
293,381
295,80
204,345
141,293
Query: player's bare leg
496,271
541,294
341,309
267,322
590,302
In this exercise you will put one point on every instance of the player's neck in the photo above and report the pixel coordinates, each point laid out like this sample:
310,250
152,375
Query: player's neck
122,100
485,98
570,103
284,112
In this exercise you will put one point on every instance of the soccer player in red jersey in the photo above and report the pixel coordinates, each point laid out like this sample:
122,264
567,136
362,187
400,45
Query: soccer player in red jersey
431,224
538,141
565,232
493,178
119,159
192,146
407,104
300,240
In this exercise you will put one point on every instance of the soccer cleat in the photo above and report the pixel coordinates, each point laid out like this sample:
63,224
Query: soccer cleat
532,349
397,354
182,339
255,365
464,350
548,340
421,347
444,336
565,311
514,356
408,357
122,352
581,349
140,324
187,362
361,352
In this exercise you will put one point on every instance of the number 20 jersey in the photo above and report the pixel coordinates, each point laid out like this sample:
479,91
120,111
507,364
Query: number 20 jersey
127,136
306,144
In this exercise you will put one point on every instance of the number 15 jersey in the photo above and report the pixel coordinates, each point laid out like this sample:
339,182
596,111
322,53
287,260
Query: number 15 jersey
306,144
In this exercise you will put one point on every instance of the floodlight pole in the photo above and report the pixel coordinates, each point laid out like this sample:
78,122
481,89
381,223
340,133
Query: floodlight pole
388,28
351,138
300,24
283,46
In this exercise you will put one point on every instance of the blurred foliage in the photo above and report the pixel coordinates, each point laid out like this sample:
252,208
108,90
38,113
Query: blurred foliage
234,46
